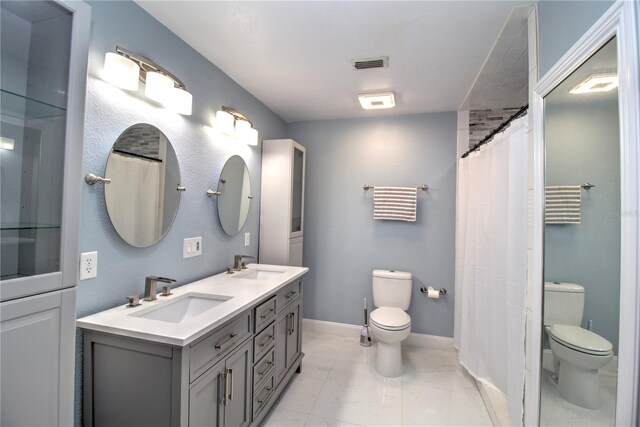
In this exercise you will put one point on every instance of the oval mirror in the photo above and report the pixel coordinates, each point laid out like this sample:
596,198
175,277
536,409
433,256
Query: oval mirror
143,197
235,195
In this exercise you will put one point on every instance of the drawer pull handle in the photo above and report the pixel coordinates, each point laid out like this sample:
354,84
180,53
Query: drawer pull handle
266,314
290,294
264,371
220,345
261,400
265,342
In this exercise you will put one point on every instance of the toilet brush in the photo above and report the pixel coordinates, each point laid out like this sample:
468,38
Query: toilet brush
365,339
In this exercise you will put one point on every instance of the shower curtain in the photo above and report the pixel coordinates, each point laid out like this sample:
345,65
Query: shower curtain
491,263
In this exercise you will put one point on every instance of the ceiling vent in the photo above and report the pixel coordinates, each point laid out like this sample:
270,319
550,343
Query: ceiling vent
365,64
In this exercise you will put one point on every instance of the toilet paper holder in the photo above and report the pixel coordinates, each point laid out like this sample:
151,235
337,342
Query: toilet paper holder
441,291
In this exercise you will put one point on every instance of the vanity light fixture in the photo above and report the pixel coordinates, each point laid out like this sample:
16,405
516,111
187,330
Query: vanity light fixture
597,83
7,143
124,69
236,125
374,101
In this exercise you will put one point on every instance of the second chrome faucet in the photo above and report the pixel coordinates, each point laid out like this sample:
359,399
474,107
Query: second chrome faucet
151,284
237,261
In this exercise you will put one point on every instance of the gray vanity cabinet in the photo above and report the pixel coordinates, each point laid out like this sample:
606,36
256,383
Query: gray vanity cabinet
288,323
222,396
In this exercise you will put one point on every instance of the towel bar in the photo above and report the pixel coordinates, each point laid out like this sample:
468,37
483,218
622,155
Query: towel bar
423,187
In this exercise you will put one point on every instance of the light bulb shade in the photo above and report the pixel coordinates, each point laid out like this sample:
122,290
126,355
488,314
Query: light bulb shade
224,122
180,101
121,71
242,124
248,135
158,87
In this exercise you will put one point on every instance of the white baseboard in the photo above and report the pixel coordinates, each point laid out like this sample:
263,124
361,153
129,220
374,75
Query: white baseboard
547,362
347,330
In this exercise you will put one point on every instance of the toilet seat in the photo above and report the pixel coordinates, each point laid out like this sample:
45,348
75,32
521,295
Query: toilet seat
390,318
580,339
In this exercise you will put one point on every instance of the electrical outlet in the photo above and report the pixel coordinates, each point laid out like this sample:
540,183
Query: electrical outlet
247,239
191,247
88,265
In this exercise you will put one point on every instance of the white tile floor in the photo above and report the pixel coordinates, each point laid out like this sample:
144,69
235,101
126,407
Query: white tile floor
338,386
556,411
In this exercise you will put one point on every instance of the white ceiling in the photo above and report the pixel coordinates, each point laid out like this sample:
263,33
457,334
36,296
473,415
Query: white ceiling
295,56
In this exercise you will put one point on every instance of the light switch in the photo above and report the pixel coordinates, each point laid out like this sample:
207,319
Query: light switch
191,247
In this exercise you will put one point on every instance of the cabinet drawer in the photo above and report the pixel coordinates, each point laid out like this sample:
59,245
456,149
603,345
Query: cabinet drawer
263,342
265,313
205,353
262,395
264,368
287,295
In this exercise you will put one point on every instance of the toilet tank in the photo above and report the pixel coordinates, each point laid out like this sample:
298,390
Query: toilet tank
563,303
392,288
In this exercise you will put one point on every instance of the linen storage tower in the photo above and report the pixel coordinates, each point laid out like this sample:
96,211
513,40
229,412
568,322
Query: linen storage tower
282,202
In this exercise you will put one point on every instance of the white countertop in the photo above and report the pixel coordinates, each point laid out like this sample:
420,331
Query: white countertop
245,293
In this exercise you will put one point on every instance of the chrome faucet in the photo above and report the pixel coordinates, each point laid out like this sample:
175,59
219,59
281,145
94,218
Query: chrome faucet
237,261
151,284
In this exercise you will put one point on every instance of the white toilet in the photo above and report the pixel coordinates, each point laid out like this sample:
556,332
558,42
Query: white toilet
389,323
577,352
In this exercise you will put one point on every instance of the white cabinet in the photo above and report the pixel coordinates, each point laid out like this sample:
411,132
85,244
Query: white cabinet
282,202
43,65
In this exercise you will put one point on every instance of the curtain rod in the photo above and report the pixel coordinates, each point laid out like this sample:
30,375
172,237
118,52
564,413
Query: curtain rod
499,129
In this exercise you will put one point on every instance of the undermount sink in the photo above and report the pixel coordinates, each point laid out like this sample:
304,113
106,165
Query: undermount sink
182,308
259,274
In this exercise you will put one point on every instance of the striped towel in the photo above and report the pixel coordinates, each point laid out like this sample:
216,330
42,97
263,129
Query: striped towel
395,203
562,204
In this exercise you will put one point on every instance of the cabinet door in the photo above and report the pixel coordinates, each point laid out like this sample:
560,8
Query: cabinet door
282,326
297,191
293,334
238,387
30,356
205,398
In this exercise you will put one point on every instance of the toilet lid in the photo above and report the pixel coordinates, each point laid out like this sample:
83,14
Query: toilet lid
580,339
390,318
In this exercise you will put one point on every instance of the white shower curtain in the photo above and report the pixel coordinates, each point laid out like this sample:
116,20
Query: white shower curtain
491,263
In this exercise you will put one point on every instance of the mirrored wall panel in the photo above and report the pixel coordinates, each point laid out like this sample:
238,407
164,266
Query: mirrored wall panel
143,196
582,246
234,196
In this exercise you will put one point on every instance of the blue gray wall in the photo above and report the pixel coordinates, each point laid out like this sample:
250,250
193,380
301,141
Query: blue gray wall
582,145
561,24
343,244
109,111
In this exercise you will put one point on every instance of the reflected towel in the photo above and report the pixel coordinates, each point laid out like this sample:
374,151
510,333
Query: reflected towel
395,203
562,204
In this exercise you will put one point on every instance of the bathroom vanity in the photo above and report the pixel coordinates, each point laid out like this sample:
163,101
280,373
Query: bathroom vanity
216,352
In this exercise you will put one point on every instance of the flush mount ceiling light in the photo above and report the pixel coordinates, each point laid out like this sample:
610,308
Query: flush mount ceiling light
597,83
374,101
124,69
236,125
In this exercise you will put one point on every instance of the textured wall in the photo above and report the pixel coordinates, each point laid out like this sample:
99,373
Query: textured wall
561,24
109,111
343,243
582,145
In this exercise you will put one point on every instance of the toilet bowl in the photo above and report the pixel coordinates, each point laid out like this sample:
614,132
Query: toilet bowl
390,323
580,354
390,326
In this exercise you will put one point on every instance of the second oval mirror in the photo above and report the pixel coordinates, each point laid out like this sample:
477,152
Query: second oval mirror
234,196
143,197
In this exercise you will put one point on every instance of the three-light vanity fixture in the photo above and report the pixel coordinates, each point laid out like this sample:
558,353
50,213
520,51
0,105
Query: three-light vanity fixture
236,125
126,69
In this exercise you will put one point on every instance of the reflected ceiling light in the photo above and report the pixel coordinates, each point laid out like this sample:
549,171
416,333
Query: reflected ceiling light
236,125
7,143
124,69
374,101
597,83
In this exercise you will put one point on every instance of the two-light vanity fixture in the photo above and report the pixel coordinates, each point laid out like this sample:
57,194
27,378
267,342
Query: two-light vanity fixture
236,125
125,69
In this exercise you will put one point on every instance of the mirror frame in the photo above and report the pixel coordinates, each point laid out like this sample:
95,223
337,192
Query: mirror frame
619,21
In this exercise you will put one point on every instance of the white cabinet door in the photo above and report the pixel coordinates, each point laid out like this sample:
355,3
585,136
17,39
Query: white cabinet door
36,344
